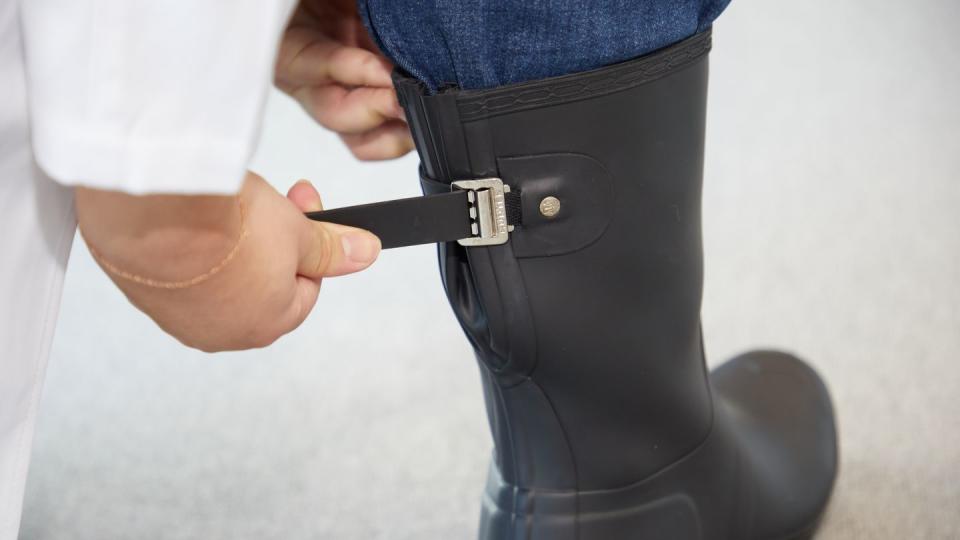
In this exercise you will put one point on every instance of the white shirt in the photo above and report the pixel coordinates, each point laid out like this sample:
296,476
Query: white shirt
134,95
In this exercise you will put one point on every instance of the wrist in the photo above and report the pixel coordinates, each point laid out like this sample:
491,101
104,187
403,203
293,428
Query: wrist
165,238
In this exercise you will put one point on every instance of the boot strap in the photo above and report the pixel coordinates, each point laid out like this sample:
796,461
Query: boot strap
474,213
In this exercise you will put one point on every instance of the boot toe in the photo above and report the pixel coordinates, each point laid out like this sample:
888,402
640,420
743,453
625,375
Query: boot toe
782,413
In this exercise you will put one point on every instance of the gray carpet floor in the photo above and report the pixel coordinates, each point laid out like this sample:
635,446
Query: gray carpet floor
832,230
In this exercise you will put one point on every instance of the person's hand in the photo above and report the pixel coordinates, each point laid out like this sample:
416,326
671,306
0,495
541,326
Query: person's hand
329,64
265,290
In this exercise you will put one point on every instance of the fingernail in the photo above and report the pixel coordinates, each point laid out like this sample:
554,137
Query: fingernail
360,248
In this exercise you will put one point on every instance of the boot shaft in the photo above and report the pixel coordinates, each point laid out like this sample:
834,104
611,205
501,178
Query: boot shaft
586,323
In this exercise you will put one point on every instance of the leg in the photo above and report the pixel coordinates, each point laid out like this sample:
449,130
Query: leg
486,44
605,421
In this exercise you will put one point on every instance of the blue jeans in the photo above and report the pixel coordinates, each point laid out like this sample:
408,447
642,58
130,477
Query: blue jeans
486,43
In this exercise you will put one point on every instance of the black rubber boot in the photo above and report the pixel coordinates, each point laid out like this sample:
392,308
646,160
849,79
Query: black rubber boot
586,323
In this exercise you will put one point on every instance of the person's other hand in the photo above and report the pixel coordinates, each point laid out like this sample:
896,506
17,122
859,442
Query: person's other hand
266,290
329,64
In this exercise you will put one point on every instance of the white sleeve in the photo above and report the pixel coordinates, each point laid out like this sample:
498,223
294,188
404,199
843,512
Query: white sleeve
149,96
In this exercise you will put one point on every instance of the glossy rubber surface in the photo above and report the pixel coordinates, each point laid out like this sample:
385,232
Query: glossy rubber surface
586,326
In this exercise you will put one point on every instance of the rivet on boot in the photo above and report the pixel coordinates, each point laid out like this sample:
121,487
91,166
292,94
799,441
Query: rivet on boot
550,206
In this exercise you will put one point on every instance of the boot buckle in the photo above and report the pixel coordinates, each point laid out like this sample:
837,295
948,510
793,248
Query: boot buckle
487,209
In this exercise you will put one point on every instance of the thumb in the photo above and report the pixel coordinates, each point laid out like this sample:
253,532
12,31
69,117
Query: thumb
328,249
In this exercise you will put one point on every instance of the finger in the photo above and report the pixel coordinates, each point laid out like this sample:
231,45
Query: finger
309,58
305,196
350,111
389,141
329,249
303,303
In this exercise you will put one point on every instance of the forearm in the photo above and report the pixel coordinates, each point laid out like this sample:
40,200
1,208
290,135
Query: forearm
221,273
163,237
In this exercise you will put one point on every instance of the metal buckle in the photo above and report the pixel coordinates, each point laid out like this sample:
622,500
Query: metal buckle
488,211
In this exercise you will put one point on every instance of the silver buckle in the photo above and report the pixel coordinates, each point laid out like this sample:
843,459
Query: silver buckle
488,211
